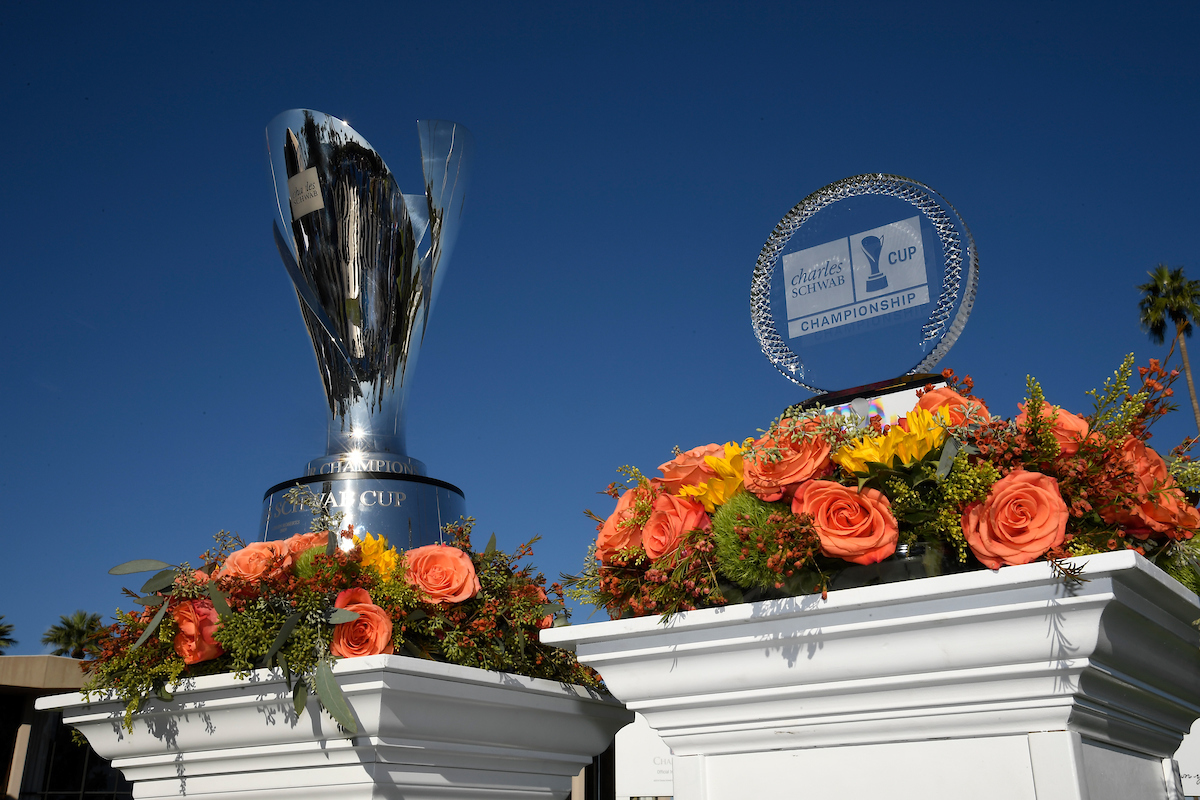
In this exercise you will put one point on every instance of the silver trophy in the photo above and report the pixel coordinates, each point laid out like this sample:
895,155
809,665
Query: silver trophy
366,261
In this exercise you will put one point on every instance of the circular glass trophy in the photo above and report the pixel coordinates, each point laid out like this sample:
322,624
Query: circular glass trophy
866,280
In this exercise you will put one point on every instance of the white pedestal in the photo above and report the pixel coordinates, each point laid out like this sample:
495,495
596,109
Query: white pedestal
426,730
1006,685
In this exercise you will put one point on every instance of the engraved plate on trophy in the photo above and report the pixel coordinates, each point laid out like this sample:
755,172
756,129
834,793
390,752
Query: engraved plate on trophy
865,281
366,261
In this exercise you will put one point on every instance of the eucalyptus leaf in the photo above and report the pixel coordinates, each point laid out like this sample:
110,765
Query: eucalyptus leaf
150,601
159,581
332,698
491,546
949,451
552,608
415,651
300,696
138,565
157,618
220,604
416,615
282,661
340,615
164,695
285,631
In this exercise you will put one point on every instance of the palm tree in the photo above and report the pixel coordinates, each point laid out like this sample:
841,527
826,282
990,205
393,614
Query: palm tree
6,639
74,636
1170,298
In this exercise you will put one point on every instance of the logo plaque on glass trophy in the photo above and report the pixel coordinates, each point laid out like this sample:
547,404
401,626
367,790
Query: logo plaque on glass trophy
863,287
366,261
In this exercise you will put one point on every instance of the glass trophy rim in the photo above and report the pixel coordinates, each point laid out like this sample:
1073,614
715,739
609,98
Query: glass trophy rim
961,267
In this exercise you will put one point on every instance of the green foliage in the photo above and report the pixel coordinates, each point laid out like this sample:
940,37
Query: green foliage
762,545
74,635
6,637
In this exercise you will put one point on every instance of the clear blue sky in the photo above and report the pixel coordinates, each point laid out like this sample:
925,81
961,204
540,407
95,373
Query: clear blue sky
631,160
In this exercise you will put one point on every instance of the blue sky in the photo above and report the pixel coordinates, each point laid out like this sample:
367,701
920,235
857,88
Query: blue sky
631,159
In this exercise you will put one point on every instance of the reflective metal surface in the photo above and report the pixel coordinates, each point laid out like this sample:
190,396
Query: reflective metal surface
366,261
408,512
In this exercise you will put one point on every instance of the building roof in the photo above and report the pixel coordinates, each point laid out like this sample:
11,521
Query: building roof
53,673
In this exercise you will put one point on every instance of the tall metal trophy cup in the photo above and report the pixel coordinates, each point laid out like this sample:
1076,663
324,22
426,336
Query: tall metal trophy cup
366,261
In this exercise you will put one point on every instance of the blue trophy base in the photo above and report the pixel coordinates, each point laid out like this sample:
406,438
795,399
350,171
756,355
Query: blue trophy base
407,510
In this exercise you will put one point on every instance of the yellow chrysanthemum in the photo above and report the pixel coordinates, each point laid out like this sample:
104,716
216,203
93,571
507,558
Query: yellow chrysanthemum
925,432
717,490
377,554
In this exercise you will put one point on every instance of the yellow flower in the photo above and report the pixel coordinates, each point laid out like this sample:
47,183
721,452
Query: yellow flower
377,554
925,432
717,490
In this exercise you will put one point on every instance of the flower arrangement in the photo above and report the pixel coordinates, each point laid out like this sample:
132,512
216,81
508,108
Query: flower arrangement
819,497
301,603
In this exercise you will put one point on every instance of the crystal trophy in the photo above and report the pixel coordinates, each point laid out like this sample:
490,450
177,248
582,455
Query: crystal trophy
864,286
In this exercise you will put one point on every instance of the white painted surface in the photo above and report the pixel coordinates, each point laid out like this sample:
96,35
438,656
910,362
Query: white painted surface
427,730
643,762
1083,691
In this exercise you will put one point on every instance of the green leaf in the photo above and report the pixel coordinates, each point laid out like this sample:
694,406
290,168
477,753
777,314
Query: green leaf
415,651
416,615
164,695
281,659
138,565
949,451
285,631
300,696
159,581
332,698
491,546
157,618
218,600
340,615
552,608
150,601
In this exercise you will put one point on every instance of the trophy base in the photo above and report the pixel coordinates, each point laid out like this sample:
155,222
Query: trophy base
409,511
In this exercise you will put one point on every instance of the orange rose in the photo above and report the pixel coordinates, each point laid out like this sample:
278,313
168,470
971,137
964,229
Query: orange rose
958,407
1068,429
1022,517
256,561
444,573
783,461
1162,507
855,526
672,517
369,635
197,619
306,541
689,469
619,532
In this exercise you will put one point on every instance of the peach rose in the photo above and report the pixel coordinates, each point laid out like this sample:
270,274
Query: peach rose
1068,429
1022,517
256,561
369,635
306,541
444,573
959,408
197,619
672,517
783,461
689,469
852,525
618,532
